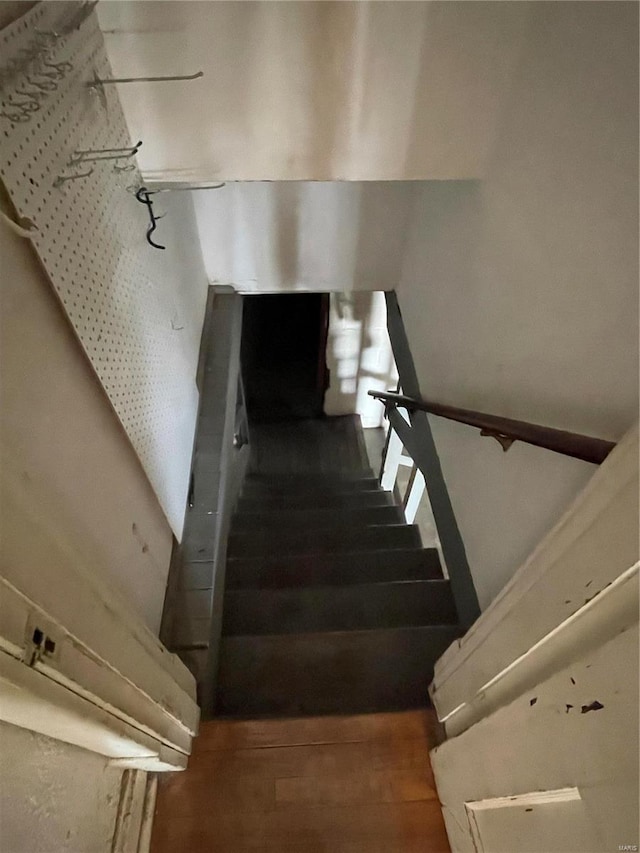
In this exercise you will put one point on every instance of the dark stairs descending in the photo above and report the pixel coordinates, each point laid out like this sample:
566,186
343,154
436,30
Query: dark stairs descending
331,603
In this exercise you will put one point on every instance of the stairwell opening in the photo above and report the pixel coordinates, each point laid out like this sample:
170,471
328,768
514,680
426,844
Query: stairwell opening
332,603
283,356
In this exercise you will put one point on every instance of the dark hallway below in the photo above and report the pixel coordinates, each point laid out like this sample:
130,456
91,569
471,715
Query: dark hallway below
284,356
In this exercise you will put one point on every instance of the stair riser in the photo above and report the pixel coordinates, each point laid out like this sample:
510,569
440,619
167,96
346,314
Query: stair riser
306,519
311,474
288,541
358,500
351,672
345,608
304,488
316,570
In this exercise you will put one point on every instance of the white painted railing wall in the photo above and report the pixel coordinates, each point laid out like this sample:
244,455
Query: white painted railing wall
519,292
541,693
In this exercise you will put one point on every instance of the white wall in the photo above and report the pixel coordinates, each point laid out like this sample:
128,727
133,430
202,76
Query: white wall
314,90
132,307
54,798
345,237
523,750
515,693
359,356
58,426
519,292
267,237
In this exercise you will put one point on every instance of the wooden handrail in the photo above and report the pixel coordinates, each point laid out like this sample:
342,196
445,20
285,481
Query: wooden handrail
507,430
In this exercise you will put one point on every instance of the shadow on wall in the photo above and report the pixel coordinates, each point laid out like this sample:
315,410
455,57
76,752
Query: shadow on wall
359,356
310,236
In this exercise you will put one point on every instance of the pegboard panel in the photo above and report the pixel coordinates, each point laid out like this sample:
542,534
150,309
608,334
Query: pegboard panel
119,293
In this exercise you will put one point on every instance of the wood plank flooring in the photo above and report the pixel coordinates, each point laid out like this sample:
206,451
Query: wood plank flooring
350,784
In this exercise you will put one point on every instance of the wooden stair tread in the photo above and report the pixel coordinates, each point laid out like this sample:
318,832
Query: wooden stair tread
272,488
338,608
331,603
329,672
323,540
315,501
305,518
275,571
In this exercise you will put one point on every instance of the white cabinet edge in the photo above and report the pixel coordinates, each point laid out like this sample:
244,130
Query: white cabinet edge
31,700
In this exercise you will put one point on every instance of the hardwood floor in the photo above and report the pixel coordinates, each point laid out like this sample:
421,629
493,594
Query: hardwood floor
353,784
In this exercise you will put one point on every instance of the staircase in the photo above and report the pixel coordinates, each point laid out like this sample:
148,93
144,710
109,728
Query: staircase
331,603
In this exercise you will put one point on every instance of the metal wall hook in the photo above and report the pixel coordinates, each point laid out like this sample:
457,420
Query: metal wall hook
128,167
59,68
33,96
61,179
98,158
16,117
30,106
50,75
150,241
89,155
98,81
131,149
186,189
26,106
33,66
45,84
143,196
